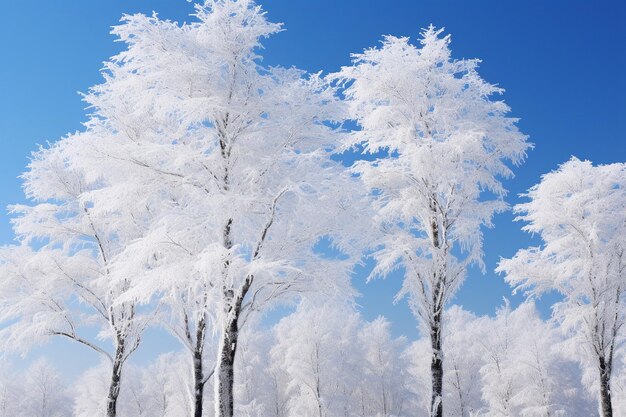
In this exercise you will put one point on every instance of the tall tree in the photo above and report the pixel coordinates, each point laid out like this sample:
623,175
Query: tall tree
446,143
62,278
579,212
237,157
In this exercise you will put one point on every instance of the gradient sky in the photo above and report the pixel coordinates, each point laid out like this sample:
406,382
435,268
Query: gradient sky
562,63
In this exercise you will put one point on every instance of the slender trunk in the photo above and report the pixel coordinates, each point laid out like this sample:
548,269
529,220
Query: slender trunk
318,388
224,395
460,391
384,401
436,362
198,383
116,374
225,371
436,369
224,382
318,397
198,368
605,388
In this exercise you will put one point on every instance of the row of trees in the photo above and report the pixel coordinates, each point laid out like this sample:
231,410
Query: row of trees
513,364
206,189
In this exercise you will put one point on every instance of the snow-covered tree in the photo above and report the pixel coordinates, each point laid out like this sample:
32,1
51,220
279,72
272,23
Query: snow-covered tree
255,386
167,386
539,364
9,392
463,336
161,389
39,391
277,394
385,386
579,213
525,370
446,143
90,392
232,161
59,281
45,393
619,387
416,356
503,341
320,358
357,369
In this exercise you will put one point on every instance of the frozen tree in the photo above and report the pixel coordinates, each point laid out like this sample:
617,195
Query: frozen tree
38,392
9,391
386,383
322,369
446,142
578,211
45,393
137,401
499,372
184,313
59,281
619,387
256,386
320,358
232,161
278,397
416,356
512,364
161,389
463,335
525,370
516,377
167,387
538,364
90,392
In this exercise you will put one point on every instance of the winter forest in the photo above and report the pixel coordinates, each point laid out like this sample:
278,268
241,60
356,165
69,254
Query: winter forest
226,203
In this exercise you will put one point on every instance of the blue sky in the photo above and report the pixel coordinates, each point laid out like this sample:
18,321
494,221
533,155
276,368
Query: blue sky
562,63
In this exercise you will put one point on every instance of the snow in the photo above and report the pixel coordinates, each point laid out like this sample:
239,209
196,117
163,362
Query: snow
202,187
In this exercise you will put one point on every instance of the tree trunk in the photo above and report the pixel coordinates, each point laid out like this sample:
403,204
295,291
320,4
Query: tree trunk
460,392
198,367
605,388
224,382
436,361
116,374
318,397
198,383
436,366
225,378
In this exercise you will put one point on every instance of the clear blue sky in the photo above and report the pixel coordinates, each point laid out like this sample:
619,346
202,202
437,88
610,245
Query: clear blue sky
562,63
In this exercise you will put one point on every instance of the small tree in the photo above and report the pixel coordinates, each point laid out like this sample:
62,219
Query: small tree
385,385
521,366
447,142
463,337
322,359
10,391
45,393
578,211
